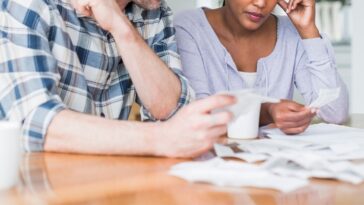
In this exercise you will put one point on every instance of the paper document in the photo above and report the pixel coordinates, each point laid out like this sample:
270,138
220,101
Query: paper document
234,174
325,97
324,151
225,151
339,139
303,167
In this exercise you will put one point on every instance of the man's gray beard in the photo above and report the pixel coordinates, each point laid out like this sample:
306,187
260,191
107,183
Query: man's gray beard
147,4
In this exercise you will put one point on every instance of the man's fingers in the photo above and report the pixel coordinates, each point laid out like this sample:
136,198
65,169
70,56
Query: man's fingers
213,120
198,152
82,6
85,11
219,119
212,103
217,132
213,136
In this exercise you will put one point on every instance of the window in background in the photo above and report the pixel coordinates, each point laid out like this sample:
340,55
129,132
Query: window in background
333,18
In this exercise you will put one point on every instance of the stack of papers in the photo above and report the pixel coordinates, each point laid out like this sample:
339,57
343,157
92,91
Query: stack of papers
235,174
331,142
323,151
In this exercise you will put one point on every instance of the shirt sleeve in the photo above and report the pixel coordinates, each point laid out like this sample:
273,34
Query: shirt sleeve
28,88
192,61
315,70
164,45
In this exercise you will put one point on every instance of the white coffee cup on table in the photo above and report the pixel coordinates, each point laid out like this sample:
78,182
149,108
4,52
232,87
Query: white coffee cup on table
246,125
10,154
246,111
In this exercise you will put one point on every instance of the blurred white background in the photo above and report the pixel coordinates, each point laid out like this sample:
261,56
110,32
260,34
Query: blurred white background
340,20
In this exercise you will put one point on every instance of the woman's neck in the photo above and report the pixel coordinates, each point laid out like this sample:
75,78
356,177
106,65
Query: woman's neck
236,30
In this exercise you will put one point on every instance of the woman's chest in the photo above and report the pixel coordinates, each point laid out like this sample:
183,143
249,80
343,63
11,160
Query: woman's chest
246,54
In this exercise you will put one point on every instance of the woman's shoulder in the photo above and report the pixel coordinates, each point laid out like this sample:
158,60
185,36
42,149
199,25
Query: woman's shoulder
190,18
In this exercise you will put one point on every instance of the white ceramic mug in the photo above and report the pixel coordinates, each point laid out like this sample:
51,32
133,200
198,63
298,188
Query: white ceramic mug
246,111
246,125
10,153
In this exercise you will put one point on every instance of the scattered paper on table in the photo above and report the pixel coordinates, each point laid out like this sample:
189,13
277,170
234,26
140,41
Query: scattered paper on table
225,151
235,174
324,151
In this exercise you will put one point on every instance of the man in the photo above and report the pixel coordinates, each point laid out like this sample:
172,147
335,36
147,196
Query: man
70,72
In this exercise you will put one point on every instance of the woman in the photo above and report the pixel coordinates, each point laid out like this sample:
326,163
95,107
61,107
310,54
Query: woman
242,45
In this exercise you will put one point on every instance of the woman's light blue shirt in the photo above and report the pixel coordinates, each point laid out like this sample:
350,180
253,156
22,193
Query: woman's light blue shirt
307,64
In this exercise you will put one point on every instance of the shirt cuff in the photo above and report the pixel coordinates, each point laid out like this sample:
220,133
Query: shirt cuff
187,96
316,49
35,126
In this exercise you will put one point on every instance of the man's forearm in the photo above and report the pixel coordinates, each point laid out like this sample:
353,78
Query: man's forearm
72,132
158,87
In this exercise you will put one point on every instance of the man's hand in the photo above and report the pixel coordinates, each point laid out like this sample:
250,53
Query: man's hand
291,117
152,77
194,129
190,133
107,13
302,15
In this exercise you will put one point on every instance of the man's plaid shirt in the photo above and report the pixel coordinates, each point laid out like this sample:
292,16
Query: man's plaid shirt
52,58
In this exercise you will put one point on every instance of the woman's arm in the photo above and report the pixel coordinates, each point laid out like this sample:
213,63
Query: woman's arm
315,67
315,70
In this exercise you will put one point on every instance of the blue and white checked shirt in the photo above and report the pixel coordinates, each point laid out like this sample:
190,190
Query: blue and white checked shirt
52,58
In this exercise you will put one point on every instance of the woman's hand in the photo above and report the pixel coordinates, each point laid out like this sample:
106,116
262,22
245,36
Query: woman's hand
302,15
291,117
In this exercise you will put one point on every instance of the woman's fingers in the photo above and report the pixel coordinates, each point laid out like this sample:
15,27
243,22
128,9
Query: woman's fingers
294,131
213,120
293,124
283,4
293,116
212,103
289,6
292,4
295,4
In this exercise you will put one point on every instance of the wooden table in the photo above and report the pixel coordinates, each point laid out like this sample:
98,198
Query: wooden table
48,178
